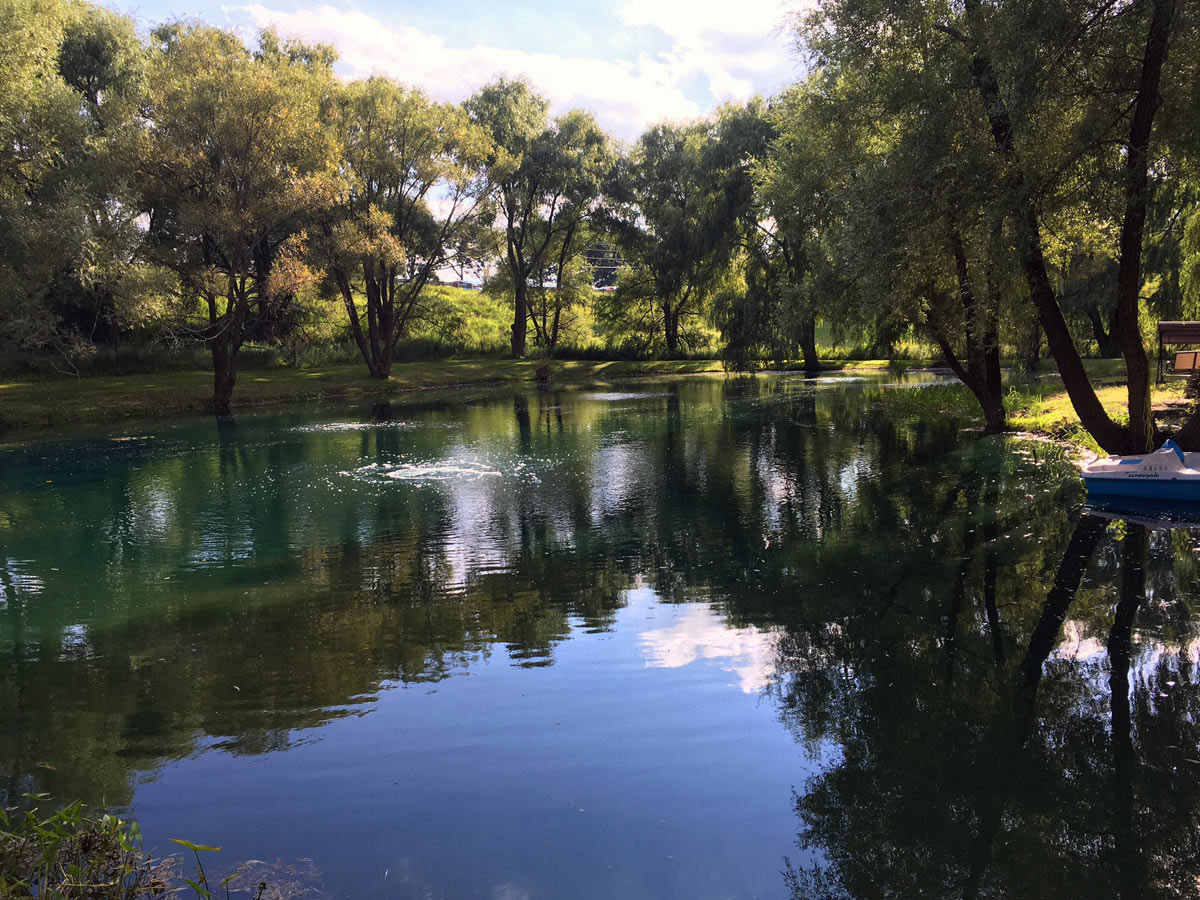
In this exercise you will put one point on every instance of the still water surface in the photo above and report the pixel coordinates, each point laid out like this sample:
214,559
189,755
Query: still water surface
695,638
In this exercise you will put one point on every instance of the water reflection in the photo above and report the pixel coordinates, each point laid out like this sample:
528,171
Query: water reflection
701,634
1058,774
982,692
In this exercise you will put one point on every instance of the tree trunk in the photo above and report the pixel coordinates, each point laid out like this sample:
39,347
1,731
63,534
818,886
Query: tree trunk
991,361
1027,233
982,371
383,367
1033,346
995,419
1137,197
381,314
808,343
992,404
563,256
224,358
1088,407
671,319
552,342
360,340
106,320
991,341
520,315
1106,339
976,356
224,337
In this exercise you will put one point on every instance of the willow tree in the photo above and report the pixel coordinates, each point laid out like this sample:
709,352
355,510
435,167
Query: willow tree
562,285
1066,94
416,190
1140,87
684,193
36,124
102,59
786,236
547,177
240,155
69,91
854,162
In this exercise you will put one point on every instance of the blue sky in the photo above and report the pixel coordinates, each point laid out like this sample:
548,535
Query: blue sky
631,62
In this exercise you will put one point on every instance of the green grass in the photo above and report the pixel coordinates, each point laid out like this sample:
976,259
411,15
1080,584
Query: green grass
64,401
868,364
1051,413
1034,405
1043,407
1039,406
475,321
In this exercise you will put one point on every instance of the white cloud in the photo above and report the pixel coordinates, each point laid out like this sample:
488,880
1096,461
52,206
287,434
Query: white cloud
695,22
737,54
700,634
624,96
724,85
740,48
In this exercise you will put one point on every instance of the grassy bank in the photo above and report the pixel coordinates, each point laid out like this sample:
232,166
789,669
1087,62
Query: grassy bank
1050,413
1040,405
62,401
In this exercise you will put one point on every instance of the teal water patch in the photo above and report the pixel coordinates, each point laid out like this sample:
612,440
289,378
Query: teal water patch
746,638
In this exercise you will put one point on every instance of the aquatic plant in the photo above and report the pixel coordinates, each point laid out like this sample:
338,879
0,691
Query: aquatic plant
72,854
200,883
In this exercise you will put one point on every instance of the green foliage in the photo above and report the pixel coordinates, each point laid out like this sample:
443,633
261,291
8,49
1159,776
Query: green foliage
948,172
679,205
72,854
382,241
288,209
1189,275
473,323
241,151
547,177
70,86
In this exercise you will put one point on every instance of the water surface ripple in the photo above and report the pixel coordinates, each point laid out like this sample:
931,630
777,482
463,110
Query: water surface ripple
694,638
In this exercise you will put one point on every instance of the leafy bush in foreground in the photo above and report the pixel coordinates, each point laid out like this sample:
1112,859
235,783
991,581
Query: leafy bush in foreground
72,854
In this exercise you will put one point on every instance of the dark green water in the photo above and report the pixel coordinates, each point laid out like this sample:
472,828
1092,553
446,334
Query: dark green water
649,643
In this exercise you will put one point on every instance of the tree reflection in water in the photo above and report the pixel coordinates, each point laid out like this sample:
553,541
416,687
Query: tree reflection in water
999,698
1040,778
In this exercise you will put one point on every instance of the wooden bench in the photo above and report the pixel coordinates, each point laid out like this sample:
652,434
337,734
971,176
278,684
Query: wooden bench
1186,362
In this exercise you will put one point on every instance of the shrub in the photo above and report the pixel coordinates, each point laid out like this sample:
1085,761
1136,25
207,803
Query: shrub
73,855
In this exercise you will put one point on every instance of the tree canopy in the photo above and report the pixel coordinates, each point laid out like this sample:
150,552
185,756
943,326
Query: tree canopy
990,180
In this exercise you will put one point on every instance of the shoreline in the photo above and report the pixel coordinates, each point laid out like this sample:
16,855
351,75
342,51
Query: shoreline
32,410
31,406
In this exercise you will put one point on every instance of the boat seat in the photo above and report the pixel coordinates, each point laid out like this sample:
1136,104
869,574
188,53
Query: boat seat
1186,362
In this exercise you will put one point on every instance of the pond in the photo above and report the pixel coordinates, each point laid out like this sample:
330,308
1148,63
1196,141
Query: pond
687,638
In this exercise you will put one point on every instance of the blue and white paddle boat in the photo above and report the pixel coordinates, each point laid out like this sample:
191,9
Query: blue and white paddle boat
1166,474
